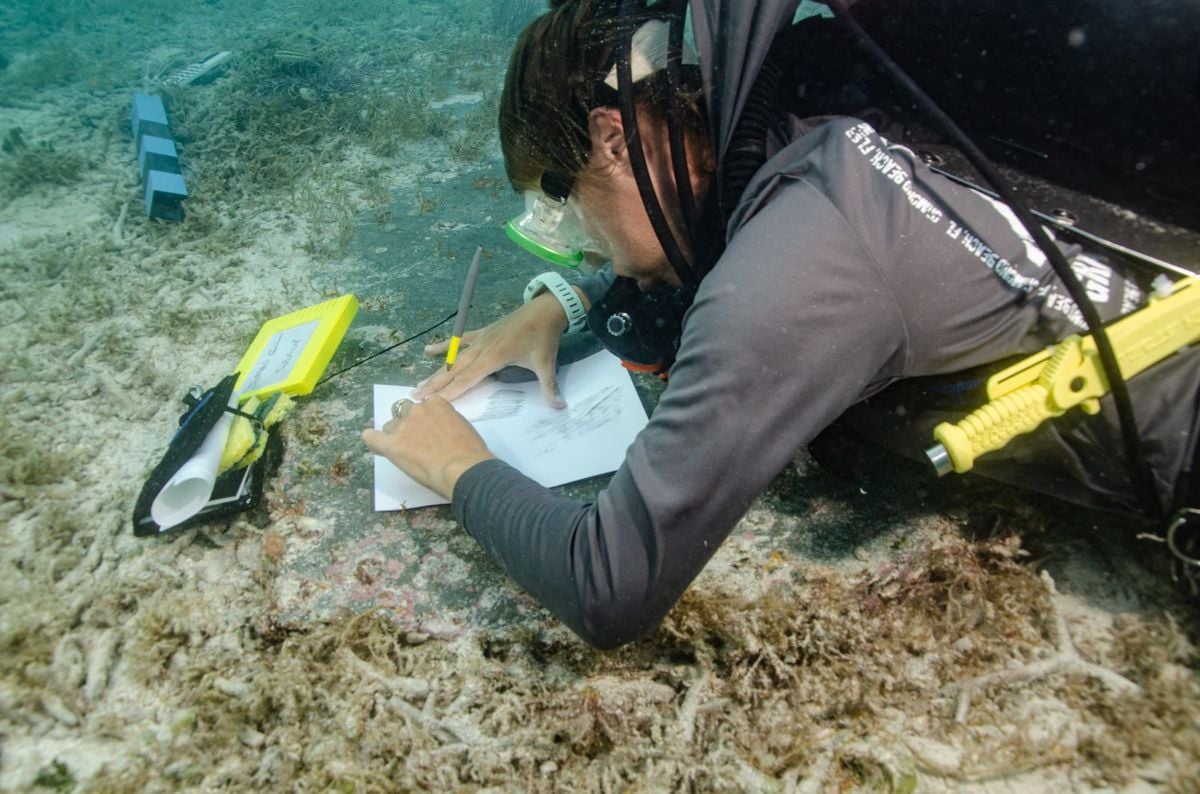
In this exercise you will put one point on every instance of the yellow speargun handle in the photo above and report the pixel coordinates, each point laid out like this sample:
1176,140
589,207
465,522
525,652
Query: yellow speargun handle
1050,383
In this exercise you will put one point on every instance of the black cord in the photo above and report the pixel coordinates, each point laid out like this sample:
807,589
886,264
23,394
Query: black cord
244,415
436,325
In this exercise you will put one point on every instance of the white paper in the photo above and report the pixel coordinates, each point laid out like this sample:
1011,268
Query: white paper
189,489
550,445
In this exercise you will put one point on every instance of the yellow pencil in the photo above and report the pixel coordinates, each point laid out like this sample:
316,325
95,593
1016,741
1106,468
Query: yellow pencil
464,303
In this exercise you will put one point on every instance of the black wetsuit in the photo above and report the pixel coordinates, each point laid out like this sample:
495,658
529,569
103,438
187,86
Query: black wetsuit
849,266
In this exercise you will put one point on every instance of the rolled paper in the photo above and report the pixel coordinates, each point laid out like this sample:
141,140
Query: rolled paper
186,493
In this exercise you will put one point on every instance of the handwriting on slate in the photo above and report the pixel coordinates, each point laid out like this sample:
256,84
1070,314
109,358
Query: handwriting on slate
279,356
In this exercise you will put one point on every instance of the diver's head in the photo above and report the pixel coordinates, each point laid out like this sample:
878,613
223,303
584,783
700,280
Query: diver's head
564,143
610,203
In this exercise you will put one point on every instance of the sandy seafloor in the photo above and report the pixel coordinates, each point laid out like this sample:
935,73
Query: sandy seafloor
864,628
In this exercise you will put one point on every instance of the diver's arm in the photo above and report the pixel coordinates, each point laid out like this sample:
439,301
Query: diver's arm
771,355
530,532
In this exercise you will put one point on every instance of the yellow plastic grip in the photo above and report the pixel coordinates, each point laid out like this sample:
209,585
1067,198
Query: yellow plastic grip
992,426
452,351
1049,383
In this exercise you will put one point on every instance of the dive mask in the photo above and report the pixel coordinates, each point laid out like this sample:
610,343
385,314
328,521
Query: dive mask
552,228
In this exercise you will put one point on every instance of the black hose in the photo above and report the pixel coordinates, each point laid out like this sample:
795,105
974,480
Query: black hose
748,145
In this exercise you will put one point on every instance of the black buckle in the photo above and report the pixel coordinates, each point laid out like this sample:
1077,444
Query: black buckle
1183,540
195,396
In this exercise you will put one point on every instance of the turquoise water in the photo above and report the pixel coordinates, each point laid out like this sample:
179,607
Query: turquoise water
304,83
320,121
333,151
315,645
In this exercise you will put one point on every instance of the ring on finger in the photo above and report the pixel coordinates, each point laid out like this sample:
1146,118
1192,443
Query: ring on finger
398,408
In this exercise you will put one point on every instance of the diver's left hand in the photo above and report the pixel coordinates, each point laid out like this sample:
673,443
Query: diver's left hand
430,442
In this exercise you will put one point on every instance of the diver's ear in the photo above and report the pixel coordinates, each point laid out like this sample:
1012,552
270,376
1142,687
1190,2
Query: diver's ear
607,134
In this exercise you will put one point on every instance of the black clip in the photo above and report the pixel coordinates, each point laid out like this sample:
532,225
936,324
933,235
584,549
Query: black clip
193,396
244,415
196,393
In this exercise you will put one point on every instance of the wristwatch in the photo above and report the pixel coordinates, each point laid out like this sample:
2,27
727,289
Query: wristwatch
559,287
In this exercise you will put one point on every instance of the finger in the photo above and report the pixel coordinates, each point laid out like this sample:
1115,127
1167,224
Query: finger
433,384
456,382
400,408
449,383
375,440
439,348
550,392
547,377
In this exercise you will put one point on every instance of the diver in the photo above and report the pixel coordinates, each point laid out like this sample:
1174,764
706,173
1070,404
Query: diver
783,271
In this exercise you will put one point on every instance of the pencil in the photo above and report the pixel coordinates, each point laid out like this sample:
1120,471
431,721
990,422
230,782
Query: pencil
464,303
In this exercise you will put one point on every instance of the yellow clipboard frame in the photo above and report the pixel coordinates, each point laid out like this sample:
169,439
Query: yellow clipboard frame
290,352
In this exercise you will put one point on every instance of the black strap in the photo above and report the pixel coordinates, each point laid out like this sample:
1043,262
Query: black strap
637,157
683,178
1187,488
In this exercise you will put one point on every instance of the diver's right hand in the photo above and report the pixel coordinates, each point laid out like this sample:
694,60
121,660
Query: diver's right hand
527,338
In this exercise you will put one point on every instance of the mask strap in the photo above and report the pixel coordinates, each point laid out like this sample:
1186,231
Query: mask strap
637,157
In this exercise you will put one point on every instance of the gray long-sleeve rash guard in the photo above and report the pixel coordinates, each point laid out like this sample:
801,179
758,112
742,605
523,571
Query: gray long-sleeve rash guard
849,265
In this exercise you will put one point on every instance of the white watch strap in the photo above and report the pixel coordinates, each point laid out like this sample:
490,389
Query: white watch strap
559,287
